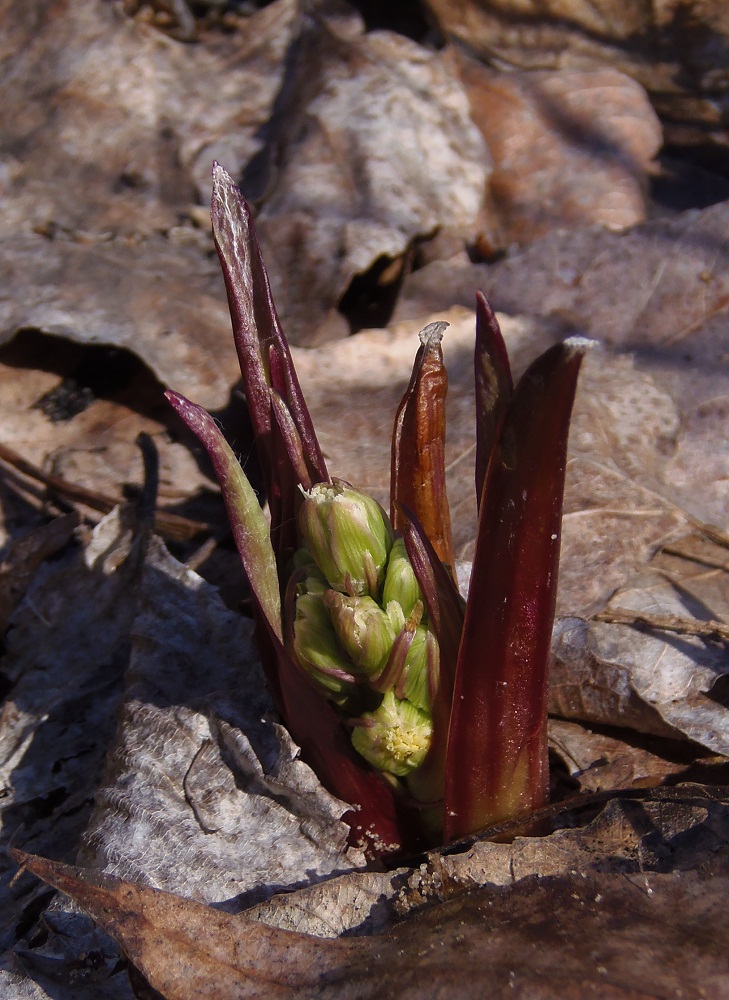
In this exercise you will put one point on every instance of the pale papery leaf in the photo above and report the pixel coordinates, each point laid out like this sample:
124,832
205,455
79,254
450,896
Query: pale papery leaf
648,42
174,118
603,760
658,680
679,825
189,779
184,750
356,103
659,292
123,270
55,733
575,146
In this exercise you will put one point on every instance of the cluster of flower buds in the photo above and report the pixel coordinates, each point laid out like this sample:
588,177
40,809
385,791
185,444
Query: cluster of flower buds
426,713
359,626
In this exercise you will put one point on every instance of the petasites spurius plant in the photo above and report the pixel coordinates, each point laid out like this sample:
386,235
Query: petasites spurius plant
425,713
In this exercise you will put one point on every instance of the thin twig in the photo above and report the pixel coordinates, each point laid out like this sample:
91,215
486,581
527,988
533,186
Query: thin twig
713,562
170,526
666,623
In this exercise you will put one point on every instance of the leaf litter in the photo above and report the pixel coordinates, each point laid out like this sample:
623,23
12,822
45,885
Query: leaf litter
187,774
178,788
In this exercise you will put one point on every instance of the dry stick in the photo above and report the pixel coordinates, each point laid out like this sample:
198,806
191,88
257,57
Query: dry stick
710,628
710,531
666,623
171,526
713,562
147,501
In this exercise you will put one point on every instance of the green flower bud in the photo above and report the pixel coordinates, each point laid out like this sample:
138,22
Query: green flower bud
349,535
395,737
363,629
319,653
419,677
401,584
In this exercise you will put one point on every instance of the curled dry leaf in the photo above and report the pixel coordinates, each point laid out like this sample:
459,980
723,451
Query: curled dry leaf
619,758
196,745
616,514
659,291
371,145
202,792
65,657
671,49
105,150
569,148
656,680
70,430
613,934
109,293
116,135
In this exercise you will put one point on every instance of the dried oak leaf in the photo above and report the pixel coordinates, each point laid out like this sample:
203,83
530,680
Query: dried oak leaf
600,760
370,146
65,656
160,298
95,448
202,791
677,51
660,681
569,147
108,133
108,125
658,830
610,936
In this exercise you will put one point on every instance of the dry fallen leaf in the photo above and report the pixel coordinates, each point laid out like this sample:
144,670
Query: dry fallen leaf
667,682
120,124
109,130
202,790
602,760
196,743
162,299
670,48
569,147
76,420
603,934
370,147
